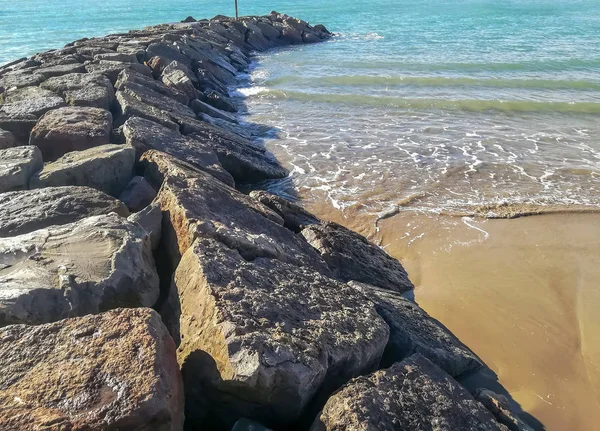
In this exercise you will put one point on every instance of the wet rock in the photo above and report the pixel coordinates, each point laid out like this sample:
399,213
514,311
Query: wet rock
112,69
146,135
87,267
71,129
200,107
261,338
351,257
235,128
268,31
128,76
412,331
207,81
225,76
204,207
7,139
150,218
83,89
244,160
17,166
25,211
294,217
219,101
126,374
411,395
138,194
108,168
499,406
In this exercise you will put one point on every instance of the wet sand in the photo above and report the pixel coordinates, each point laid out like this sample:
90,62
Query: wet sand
524,294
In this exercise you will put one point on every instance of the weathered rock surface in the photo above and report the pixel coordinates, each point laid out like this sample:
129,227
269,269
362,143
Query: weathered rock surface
146,135
83,89
219,101
201,107
112,69
412,331
138,194
499,406
93,265
130,107
108,168
150,218
25,211
277,335
128,76
71,129
294,217
17,166
351,257
7,139
112,371
202,207
411,395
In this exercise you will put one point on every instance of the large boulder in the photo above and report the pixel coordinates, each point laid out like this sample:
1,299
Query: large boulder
411,395
112,371
83,89
294,216
17,166
202,207
245,161
351,257
412,331
262,338
7,139
147,135
87,267
71,129
25,211
108,168
128,76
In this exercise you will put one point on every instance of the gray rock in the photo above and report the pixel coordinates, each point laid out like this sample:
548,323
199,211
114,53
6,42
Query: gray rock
248,425
166,51
61,69
262,338
112,69
138,194
7,139
25,211
244,160
157,100
83,89
181,81
200,107
147,135
294,217
411,395
107,168
17,166
26,93
71,129
499,406
21,78
150,218
268,31
117,56
351,257
412,331
93,265
237,129
157,64
128,76
219,101
19,126
203,207
224,75
116,370
35,106
130,107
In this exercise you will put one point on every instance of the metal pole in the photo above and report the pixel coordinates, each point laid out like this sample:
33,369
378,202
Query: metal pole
236,10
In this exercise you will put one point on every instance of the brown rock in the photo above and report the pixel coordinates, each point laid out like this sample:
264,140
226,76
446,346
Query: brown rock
261,339
411,395
113,371
71,129
351,257
499,406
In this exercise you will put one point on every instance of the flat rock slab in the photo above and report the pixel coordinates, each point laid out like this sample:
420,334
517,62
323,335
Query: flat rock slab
71,129
351,257
129,76
83,89
108,168
206,208
112,371
25,211
17,166
147,135
411,395
260,339
412,331
93,265
112,69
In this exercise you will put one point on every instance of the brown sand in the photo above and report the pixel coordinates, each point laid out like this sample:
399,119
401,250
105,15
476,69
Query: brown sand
524,294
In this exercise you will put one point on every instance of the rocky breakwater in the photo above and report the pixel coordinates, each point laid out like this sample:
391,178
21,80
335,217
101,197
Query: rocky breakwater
139,286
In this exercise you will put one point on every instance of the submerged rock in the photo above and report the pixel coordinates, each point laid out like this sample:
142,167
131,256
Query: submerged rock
115,370
71,129
17,166
411,395
412,331
93,265
108,168
351,257
261,338
25,211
